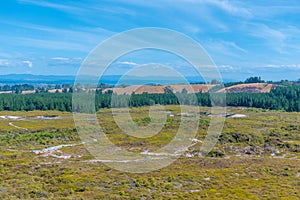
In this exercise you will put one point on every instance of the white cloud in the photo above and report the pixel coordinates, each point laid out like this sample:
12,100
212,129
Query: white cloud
225,48
274,37
60,59
127,63
88,34
4,63
28,63
226,68
63,62
266,10
284,66
191,28
51,44
82,39
234,46
52,5
229,7
84,11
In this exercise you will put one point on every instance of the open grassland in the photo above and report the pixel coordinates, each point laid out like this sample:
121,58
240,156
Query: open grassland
257,157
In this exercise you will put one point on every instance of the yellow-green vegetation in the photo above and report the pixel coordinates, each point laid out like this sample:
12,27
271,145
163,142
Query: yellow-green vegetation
61,120
257,157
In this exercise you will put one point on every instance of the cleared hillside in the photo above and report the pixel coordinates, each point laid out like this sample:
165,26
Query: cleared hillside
250,87
140,89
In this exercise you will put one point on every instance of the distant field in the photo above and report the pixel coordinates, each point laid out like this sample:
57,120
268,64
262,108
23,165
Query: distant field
257,157
140,89
250,87
192,88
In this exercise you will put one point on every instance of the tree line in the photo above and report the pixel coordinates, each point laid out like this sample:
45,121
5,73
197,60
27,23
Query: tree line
16,88
285,98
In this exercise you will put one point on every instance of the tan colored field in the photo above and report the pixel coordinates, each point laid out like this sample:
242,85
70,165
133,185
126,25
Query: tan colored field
251,87
54,90
193,88
139,89
5,92
28,92
50,91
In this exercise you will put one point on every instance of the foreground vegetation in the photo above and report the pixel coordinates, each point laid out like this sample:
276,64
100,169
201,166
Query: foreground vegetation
257,157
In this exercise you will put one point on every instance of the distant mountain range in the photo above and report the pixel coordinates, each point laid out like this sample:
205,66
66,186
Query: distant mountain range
111,79
34,79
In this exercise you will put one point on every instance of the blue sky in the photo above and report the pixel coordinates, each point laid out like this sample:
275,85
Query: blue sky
244,38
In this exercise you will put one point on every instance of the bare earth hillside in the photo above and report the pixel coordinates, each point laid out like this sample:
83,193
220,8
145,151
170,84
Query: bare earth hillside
250,87
139,89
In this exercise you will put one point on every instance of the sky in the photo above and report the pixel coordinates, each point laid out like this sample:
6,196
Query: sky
244,38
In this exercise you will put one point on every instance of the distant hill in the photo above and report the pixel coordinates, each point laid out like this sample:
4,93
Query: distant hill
107,79
193,88
35,79
52,79
137,84
249,87
140,89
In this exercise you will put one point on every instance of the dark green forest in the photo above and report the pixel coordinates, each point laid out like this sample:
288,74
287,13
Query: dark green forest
285,98
16,88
